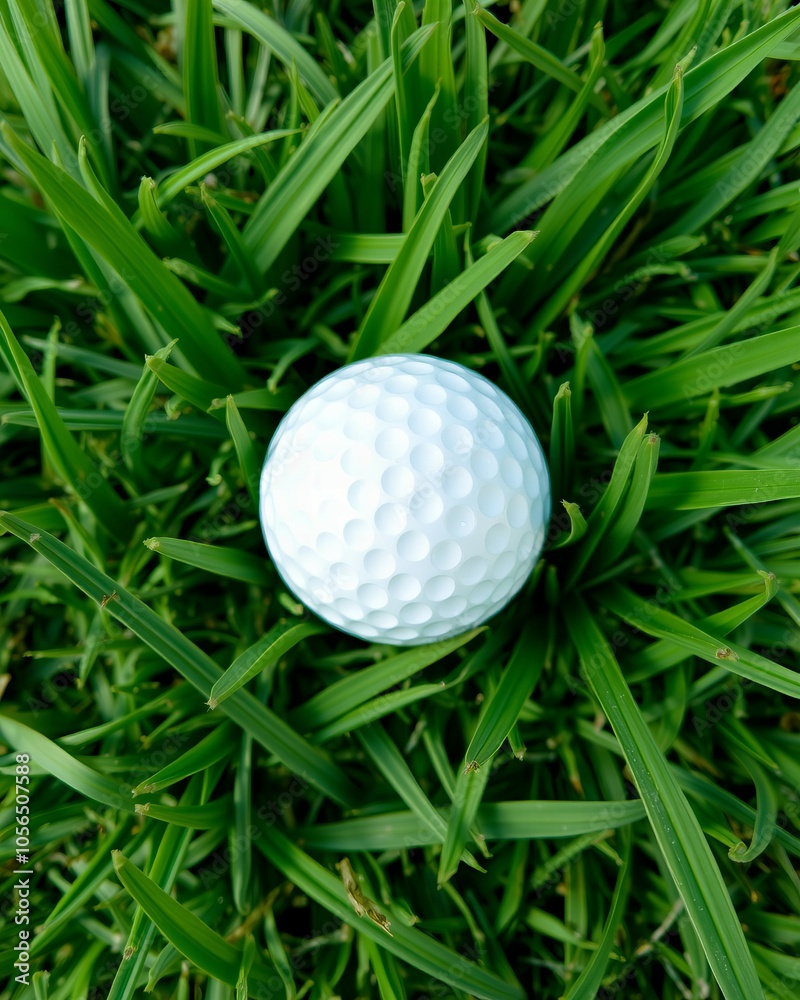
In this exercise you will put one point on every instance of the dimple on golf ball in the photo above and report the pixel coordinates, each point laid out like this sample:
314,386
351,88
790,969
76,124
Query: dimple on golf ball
404,499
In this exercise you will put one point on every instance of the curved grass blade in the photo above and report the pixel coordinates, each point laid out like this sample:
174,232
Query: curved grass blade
673,110
626,519
160,231
743,169
418,164
214,747
191,662
674,824
537,56
709,793
556,138
135,420
173,184
438,313
767,805
577,525
662,655
62,765
275,644
197,391
598,521
237,251
501,710
350,692
245,451
216,559
662,624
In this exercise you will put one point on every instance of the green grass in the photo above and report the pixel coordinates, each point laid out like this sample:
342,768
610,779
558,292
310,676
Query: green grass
207,206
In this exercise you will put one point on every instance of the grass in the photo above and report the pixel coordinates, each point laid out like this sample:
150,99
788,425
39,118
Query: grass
207,206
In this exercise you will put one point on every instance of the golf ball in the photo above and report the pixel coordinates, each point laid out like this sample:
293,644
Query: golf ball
404,499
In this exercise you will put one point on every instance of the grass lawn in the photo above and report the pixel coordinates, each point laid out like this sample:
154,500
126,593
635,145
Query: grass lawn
205,207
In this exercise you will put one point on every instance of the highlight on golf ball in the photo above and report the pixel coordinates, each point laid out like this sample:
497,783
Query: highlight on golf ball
404,499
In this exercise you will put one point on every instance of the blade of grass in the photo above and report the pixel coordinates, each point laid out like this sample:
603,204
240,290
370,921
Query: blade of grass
173,184
619,534
163,871
282,637
662,624
393,297
673,109
502,708
200,73
725,488
135,420
419,164
245,452
720,367
195,940
349,692
562,443
214,747
598,521
674,824
514,821
470,785
705,86
384,754
429,322
237,251
235,564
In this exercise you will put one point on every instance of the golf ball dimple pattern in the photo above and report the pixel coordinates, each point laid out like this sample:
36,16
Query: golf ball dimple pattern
404,499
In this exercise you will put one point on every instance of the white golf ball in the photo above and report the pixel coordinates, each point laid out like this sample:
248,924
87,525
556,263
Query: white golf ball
404,499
